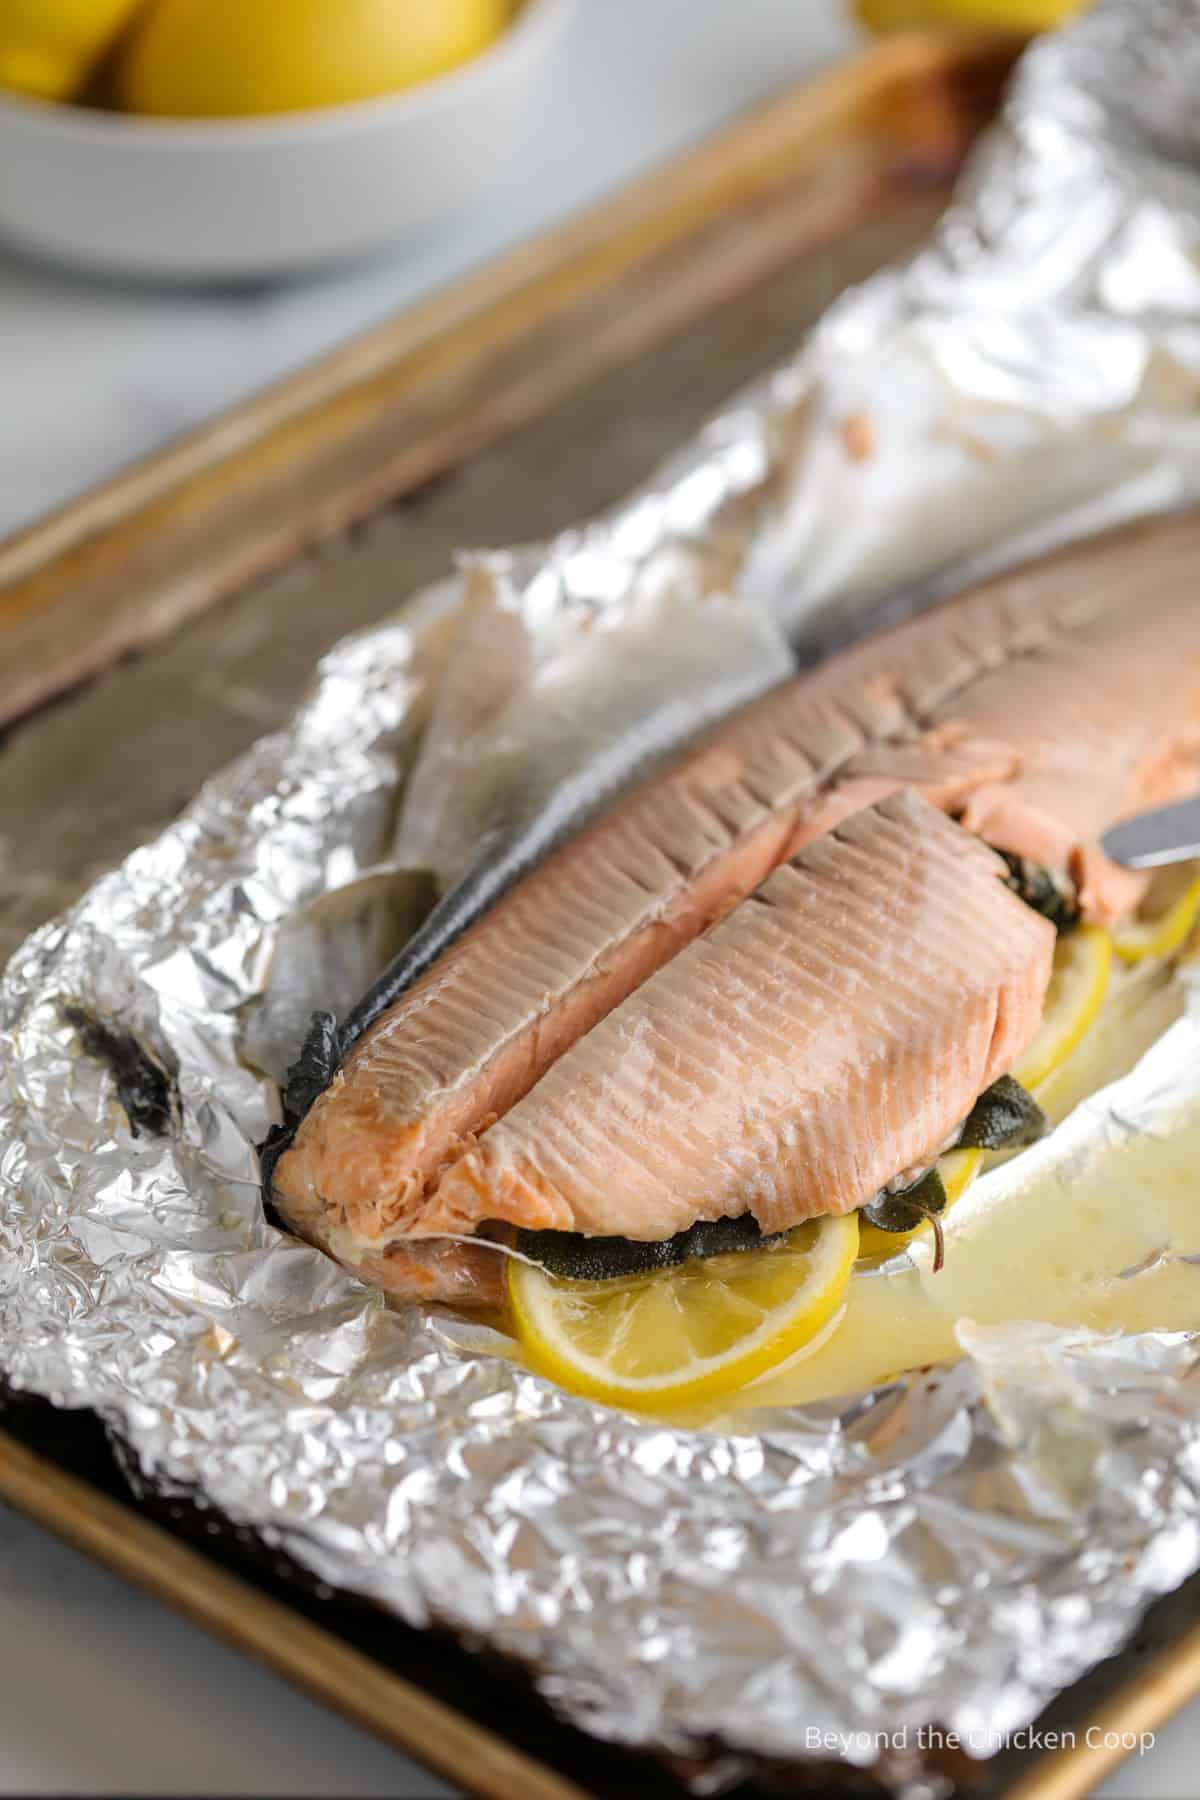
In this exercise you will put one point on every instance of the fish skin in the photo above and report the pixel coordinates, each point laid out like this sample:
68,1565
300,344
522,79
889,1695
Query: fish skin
834,1028
981,705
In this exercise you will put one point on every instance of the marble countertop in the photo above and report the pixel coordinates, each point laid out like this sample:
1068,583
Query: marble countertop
102,1691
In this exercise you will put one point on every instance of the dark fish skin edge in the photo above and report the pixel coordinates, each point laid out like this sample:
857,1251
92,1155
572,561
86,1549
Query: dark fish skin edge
327,1042
144,1088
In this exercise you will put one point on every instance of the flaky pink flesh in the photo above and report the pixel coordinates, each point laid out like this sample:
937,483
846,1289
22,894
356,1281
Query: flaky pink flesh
832,1030
1042,708
421,1268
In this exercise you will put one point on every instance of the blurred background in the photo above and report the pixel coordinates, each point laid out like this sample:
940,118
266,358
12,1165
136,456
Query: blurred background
197,197
96,369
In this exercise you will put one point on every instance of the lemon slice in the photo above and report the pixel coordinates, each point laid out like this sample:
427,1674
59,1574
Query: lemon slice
697,1332
957,1168
1078,984
1166,920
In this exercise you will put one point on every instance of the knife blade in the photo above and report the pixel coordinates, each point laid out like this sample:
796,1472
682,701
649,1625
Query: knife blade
1149,840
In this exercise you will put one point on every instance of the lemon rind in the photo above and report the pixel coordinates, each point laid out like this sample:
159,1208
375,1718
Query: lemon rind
762,1351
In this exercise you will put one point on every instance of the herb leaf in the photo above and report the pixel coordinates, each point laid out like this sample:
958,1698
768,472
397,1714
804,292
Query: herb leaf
908,1207
577,1258
1005,1117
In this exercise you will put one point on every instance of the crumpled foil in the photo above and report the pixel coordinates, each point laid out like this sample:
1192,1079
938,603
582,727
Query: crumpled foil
1032,375
955,1548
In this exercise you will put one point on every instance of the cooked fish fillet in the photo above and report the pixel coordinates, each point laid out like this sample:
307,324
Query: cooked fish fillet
427,1268
1041,708
833,1030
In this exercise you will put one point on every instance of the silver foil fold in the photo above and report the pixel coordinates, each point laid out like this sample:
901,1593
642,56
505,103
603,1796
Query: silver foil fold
953,1549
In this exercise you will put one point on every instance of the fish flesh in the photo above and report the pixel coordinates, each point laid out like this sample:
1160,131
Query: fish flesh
536,725
833,1029
1040,709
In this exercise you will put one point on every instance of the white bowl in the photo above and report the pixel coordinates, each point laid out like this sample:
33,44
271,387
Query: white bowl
240,199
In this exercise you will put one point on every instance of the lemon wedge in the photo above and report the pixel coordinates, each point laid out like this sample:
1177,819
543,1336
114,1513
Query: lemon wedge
666,1341
1078,984
1165,920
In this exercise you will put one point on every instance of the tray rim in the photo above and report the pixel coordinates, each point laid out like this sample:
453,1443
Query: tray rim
318,1662
115,1534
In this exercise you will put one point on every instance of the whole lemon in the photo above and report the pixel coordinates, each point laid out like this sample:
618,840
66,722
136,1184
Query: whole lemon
1003,15
49,47
192,58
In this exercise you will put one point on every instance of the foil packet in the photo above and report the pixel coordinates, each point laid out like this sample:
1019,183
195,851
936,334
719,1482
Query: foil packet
953,1549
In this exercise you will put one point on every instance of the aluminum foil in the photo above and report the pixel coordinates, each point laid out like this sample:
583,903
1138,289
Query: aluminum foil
951,1550
1033,375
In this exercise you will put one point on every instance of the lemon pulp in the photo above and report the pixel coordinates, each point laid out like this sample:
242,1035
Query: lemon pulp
681,1336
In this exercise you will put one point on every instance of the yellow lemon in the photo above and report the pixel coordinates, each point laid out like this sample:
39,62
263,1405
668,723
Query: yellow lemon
1078,984
50,47
660,1342
995,15
1165,920
194,58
